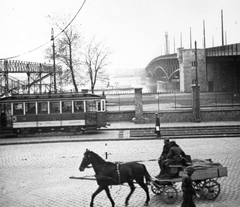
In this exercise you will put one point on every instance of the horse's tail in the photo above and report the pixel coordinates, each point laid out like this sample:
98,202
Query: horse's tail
147,175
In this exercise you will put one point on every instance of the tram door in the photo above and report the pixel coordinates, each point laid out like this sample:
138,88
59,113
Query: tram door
101,115
91,113
5,120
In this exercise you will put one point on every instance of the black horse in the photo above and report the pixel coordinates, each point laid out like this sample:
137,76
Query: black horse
108,173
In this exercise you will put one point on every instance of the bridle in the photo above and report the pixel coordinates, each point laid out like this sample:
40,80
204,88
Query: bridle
87,162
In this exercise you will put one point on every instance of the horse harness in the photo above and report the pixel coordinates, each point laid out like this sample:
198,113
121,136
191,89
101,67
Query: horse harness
118,172
118,175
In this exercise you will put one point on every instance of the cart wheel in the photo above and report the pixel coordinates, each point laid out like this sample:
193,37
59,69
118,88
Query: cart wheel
169,194
157,189
198,187
211,189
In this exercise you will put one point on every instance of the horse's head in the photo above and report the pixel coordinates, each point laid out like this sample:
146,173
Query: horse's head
86,160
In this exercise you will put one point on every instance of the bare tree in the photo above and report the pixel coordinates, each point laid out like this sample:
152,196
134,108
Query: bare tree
96,58
67,53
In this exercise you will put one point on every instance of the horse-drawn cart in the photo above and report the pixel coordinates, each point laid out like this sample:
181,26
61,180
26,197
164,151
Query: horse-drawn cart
204,182
108,173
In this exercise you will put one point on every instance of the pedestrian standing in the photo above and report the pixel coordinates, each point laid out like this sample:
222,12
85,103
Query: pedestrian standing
187,188
157,127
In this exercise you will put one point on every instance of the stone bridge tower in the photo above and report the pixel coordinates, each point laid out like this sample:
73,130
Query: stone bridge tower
187,73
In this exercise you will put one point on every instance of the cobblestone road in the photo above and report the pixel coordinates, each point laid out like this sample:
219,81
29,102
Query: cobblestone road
38,174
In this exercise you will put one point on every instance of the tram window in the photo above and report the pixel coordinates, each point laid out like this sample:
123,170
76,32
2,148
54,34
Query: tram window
103,105
54,107
91,105
6,108
42,108
66,107
17,108
78,106
98,105
30,108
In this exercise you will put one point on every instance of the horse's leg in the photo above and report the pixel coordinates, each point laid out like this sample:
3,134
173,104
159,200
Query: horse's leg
100,188
145,188
132,187
109,196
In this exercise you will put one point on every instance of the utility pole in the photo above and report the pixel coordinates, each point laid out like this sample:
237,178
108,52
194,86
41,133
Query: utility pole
196,63
204,37
222,27
197,87
181,39
54,66
190,38
225,37
173,44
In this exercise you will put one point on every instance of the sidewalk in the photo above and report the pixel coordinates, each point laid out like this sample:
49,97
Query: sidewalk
50,138
132,125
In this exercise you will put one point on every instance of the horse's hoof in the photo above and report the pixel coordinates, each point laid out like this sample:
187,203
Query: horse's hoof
126,203
145,204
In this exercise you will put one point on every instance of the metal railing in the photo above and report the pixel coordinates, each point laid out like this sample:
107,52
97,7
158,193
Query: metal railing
173,101
226,50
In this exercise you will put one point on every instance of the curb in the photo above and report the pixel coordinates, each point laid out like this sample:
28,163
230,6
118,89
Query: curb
122,126
108,139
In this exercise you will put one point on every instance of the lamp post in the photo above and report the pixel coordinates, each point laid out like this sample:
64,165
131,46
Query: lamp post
54,66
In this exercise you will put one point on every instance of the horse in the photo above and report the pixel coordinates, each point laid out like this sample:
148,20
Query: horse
108,174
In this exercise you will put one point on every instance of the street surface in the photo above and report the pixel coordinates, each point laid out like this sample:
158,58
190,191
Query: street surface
38,174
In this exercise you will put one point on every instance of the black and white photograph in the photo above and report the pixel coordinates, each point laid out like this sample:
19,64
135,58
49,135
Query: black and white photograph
113,103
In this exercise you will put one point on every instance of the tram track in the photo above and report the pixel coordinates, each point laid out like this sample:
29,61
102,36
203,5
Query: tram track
184,132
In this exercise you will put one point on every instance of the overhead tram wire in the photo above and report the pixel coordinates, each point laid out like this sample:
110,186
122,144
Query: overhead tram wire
25,52
49,40
71,20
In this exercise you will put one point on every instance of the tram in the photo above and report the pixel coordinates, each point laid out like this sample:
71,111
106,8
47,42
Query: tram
30,113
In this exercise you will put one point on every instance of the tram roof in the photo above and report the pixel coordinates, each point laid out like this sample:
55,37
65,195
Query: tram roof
50,96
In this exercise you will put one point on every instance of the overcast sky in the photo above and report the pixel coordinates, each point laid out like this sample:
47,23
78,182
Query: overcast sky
133,29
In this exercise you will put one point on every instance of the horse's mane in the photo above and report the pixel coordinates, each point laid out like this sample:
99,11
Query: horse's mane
97,157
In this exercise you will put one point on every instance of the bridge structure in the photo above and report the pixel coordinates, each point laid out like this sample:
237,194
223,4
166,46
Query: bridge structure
163,70
36,74
218,70
223,68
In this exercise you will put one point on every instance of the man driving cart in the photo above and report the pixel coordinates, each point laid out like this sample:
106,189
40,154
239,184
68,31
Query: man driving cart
175,156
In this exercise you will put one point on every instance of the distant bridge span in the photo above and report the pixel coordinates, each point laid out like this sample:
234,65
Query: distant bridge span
163,68
219,69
